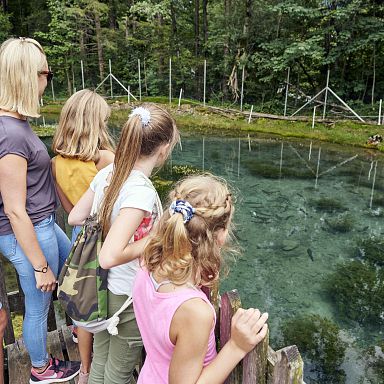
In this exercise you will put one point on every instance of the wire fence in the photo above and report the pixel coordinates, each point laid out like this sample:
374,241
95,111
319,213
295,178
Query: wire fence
200,85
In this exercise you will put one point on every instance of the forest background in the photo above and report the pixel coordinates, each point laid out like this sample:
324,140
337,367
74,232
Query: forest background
263,36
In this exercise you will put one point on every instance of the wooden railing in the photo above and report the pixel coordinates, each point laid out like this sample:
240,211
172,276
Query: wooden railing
59,341
261,366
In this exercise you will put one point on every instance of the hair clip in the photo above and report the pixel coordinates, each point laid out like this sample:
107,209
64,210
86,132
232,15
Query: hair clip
144,114
183,207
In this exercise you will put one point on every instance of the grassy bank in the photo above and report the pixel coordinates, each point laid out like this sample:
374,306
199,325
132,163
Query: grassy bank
193,118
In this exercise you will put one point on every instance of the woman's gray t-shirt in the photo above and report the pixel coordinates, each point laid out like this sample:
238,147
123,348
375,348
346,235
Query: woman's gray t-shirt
17,138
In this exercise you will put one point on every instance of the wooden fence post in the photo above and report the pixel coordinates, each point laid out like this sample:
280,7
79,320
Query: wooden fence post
255,364
230,303
286,366
9,335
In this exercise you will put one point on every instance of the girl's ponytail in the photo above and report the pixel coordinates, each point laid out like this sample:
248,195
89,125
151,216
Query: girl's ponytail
177,250
127,152
148,127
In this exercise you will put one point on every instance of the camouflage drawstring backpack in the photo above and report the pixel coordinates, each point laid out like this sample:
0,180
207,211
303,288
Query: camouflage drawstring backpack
82,285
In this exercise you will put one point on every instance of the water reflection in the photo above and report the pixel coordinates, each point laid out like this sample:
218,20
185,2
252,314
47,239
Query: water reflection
304,213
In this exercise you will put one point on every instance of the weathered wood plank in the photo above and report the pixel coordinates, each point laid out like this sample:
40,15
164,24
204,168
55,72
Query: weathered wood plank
255,364
9,335
230,303
70,346
286,366
19,364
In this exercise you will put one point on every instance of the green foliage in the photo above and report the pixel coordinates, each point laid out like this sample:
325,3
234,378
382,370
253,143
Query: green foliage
5,26
318,339
357,290
265,36
371,250
327,204
340,224
166,178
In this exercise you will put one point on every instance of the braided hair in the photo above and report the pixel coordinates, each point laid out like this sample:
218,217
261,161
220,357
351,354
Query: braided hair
183,250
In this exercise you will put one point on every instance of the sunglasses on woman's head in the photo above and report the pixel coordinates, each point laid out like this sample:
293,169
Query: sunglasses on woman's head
49,74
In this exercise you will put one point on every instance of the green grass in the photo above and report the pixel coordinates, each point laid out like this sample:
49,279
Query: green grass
193,118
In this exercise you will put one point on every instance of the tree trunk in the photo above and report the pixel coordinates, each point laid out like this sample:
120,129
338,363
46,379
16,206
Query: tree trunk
112,15
99,46
226,50
197,46
69,83
197,27
247,18
173,19
374,75
205,23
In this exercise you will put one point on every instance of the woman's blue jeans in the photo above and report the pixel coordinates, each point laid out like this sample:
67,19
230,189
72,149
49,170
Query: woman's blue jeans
55,246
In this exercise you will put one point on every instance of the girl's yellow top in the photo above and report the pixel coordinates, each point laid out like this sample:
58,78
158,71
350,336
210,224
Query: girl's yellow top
74,176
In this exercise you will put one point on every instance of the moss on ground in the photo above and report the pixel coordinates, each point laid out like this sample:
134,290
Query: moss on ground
193,118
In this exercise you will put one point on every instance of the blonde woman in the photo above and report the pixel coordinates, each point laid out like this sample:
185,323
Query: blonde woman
29,237
83,147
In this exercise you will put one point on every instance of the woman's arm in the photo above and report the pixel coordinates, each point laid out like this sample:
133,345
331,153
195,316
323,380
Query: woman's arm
13,189
190,329
116,249
65,203
82,209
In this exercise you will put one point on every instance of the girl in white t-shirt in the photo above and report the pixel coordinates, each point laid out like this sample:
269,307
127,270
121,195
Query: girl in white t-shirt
127,205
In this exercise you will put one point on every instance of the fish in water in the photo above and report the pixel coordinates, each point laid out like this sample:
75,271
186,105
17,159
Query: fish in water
310,254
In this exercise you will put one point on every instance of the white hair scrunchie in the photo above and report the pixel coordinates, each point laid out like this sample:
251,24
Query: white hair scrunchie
145,115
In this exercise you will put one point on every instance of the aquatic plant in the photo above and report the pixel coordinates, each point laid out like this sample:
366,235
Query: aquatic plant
272,171
374,358
357,290
327,204
341,223
378,201
164,180
162,187
176,172
318,340
371,249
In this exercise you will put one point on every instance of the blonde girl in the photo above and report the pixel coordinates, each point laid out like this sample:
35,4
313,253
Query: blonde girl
83,147
127,206
29,237
183,255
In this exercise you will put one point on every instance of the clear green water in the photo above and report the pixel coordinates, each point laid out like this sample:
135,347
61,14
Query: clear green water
288,246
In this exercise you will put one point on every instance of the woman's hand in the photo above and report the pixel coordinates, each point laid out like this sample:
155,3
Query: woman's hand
46,282
248,329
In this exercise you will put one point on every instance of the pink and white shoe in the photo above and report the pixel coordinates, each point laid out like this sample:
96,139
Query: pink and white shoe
57,371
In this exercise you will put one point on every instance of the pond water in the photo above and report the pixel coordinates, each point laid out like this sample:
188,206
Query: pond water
301,211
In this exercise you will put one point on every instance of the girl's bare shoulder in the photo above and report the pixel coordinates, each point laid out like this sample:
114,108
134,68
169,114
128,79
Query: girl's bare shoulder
106,157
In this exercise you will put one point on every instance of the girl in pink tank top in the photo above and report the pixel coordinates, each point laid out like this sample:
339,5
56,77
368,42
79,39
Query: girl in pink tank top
175,318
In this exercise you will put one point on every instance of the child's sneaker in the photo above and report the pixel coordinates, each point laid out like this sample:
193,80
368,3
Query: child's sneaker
74,334
57,371
83,378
